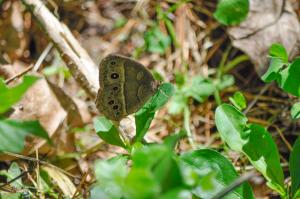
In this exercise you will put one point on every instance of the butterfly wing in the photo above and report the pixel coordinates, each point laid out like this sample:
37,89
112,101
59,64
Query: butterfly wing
138,86
125,86
110,100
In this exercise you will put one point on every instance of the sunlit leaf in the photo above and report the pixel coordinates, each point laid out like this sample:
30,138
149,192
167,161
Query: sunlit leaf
272,73
10,96
278,51
231,12
209,161
145,115
238,100
290,77
243,137
107,131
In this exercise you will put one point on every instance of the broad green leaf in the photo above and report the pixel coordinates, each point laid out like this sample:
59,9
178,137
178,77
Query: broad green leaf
294,165
143,157
10,96
266,157
238,100
145,115
141,184
290,78
13,172
295,111
231,12
207,160
107,131
159,159
156,41
12,134
111,175
231,124
241,137
278,51
272,73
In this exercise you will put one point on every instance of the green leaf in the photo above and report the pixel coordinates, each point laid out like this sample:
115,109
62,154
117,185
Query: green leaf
145,115
207,160
141,184
159,159
238,100
200,89
290,78
111,175
224,82
245,138
97,192
6,195
272,73
265,158
12,134
172,139
107,131
177,193
178,102
278,51
231,12
156,41
294,165
10,96
295,111
13,172
231,124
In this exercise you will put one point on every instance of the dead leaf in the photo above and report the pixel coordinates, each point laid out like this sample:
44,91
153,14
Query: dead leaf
63,182
268,22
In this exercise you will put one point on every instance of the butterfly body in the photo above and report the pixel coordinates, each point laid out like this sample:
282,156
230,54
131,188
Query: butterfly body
125,86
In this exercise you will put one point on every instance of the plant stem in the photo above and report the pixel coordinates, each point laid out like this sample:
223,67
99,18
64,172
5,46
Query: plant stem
187,127
217,97
235,62
222,63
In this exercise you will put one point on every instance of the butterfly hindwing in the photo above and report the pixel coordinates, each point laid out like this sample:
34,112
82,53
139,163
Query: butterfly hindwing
125,86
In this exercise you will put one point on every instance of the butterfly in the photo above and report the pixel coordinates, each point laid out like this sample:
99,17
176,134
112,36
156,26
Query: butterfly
125,86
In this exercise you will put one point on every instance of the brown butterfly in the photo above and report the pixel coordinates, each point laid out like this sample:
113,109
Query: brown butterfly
125,86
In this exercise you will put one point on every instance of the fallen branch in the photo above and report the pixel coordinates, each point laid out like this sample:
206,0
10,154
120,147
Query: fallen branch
83,69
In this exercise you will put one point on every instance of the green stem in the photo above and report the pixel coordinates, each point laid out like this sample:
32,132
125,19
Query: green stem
235,62
223,61
187,127
217,97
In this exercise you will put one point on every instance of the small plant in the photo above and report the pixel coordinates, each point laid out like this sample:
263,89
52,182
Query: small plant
286,74
257,144
245,137
155,170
